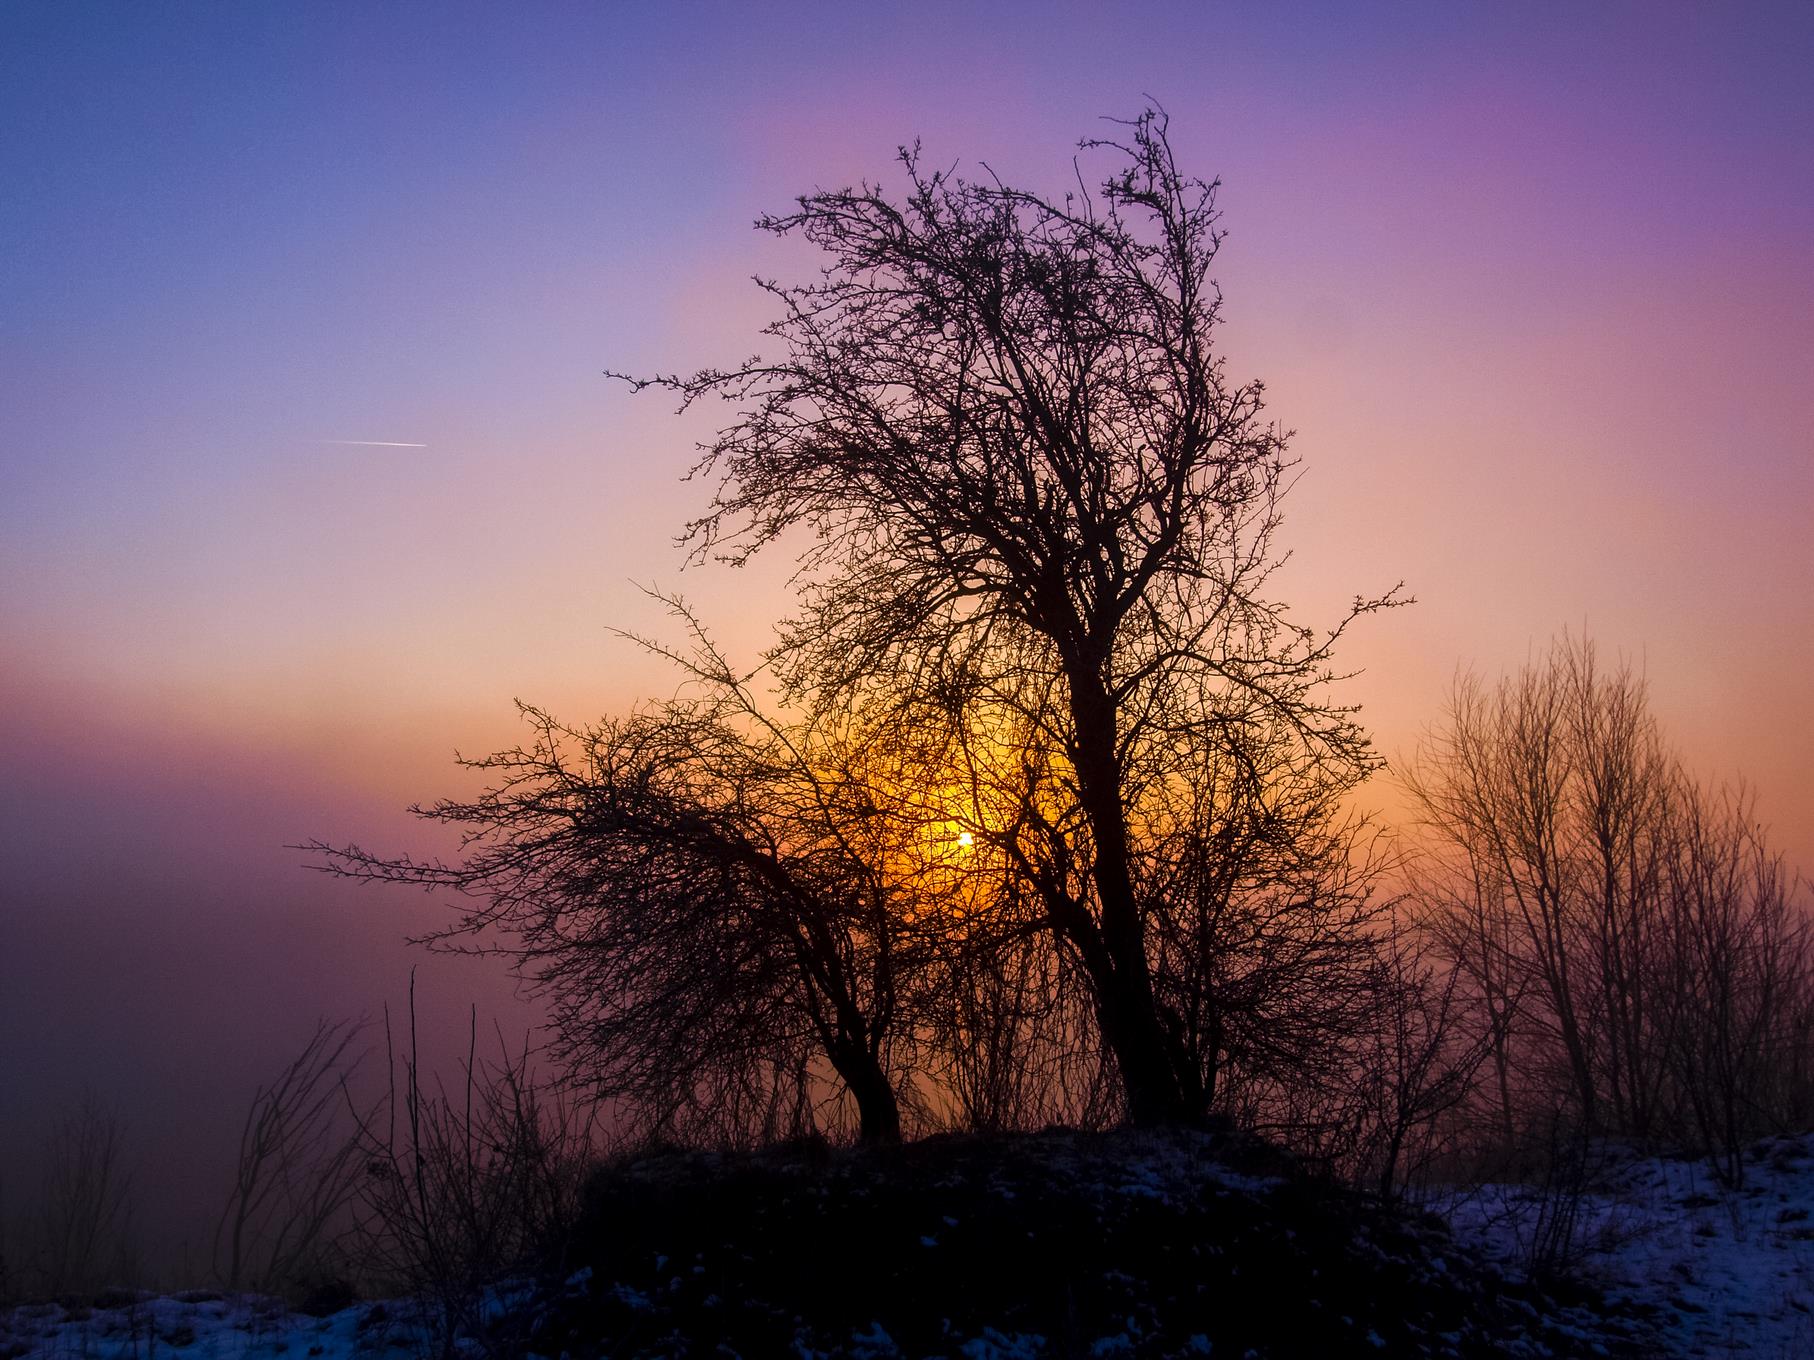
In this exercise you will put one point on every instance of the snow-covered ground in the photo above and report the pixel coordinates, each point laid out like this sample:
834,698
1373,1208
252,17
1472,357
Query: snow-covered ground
204,1325
1729,1273
198,1325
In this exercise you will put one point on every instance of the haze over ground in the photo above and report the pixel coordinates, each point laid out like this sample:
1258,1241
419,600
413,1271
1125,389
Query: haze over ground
1534,290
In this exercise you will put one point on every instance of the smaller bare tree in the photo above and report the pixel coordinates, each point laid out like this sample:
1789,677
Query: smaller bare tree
1420,1062
718,902
83,1224
1742,973
456,1191
297,1170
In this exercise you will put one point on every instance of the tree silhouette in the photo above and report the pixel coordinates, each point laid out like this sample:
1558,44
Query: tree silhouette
713,899
1636,957
1048,785
1045,518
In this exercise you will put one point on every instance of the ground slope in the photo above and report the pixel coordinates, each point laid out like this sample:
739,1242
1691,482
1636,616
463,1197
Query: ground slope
1727,1271
1058,1244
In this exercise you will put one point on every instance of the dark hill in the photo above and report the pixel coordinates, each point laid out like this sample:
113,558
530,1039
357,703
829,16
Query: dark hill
1057,1244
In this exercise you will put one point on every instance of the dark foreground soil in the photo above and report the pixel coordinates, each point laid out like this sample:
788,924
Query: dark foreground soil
1057,1244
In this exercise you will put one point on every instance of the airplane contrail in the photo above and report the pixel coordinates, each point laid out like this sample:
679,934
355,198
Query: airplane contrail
376,443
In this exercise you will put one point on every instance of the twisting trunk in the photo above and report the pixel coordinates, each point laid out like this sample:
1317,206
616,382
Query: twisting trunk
1126,1006
878,1111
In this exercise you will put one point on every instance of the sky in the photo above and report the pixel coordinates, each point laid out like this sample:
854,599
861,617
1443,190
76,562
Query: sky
309,466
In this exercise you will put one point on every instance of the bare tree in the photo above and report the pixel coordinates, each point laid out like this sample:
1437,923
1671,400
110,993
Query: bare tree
1741,978
297,1170
1040,505
1263,916
1633,950
82,1226
460,1188
1048,789
1008,1040
1418,1064
1548,788
719,903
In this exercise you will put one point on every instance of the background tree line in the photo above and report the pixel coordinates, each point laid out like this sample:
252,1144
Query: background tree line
1633,956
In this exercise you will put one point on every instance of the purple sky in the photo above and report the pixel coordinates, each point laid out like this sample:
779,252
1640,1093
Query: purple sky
1533,284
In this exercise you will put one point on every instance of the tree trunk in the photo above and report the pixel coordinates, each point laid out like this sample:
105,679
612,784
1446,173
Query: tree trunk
1126,1006
878,1112
1131,1029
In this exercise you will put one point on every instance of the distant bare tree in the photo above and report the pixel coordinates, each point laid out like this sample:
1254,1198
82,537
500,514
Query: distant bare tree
297,1170
82,1228
1633,950
1741,978
1418,1062
458,1189
1551,789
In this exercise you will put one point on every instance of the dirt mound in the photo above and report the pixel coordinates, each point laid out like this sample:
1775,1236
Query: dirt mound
1055,1244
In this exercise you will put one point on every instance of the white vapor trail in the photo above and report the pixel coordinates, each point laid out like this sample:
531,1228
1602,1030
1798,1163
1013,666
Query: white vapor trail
375,443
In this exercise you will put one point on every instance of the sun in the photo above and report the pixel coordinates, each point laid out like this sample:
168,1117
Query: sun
965,841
